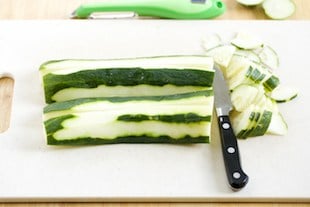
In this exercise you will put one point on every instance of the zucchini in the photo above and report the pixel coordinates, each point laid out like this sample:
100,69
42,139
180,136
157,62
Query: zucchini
168,119
113,103
278,125
249,54
269,57
222,54
242,121
283,94
279,9
271,83
243,96
247,64
66,80
252,122
211,41
247,41
237,65
177,62
250,2
262,124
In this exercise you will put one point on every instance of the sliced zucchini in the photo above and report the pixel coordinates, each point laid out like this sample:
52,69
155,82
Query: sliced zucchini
242,121
255,89
67,80
277,126
271,83
279,9
254,122
239,78
245,40
283,94
238,64
211,41
250,2
222,54
252,56
269,57
253,74
243,96
262,124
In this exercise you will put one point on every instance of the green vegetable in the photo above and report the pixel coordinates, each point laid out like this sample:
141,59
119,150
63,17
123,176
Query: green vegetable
72,79
277,125
269,57
222,54
179,118
101,104
279,9
255,89
283,94
250,2
274,9
245,40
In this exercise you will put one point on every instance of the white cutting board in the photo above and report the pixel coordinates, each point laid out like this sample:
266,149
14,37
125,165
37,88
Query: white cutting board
278,167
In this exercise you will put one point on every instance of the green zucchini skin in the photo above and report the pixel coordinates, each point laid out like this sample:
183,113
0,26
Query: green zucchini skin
128,140
271,83
125,77
262,125
55,124
176,118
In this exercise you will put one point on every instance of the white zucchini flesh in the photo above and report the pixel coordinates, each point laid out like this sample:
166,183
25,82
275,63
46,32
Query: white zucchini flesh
222,54
211,41
251,55
237,65
106,105
246,40
105,124
250,2
260,95
243,96
242,121
269,57
284,93
122,91
113,130
277,125
279,9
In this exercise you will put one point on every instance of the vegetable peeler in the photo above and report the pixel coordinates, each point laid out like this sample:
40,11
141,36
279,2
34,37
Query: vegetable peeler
168,9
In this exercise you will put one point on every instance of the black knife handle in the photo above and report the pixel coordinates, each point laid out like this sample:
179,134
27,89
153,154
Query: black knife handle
236,177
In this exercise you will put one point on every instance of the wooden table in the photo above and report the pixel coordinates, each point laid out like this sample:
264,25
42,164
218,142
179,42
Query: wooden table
60,9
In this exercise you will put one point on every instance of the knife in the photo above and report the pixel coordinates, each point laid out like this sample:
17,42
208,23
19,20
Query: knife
171,9
236,177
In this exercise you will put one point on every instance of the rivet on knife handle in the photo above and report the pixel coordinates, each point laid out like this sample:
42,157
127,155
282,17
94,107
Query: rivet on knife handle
236,177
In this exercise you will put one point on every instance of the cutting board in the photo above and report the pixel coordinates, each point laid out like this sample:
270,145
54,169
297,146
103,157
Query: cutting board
30,170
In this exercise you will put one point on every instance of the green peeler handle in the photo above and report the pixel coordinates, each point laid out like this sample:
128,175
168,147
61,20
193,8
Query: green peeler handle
171,9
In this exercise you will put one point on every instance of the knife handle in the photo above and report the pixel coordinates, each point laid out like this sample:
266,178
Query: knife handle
173,9
236,177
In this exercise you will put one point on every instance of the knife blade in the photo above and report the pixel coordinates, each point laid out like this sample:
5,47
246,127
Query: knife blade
236,176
